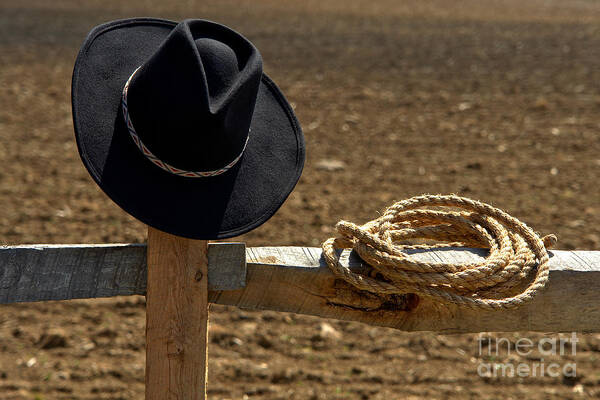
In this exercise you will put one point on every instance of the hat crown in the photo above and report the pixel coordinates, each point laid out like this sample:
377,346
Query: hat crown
191,103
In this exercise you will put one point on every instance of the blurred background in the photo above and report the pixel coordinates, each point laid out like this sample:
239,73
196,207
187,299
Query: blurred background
495,100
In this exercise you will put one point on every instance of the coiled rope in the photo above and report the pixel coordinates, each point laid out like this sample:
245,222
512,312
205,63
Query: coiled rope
515,270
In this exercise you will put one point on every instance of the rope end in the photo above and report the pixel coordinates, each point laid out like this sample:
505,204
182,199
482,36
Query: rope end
549,241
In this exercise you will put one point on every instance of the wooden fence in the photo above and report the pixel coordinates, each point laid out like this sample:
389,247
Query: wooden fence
185,275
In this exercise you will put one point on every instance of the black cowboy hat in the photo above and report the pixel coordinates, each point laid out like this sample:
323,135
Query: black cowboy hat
179,126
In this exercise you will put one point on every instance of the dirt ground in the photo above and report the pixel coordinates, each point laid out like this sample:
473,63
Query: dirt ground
496,100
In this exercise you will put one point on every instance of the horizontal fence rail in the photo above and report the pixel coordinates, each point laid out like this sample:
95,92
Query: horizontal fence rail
297,279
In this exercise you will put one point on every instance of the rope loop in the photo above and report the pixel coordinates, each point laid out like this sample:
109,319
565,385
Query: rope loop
515,270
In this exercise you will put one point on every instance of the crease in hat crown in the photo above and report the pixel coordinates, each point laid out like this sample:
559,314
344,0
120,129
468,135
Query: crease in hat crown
189,107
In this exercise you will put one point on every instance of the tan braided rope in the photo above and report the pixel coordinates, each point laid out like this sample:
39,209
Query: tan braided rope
514,271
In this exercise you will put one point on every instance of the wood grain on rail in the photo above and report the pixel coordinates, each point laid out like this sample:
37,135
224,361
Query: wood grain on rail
297,279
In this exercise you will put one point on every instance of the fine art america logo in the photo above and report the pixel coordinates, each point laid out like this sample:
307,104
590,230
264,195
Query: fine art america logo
502,357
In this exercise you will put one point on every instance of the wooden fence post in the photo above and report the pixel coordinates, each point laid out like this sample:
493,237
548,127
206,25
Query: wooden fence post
176,317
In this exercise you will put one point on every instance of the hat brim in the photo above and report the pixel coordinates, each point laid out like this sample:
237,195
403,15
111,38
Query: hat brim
217,207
